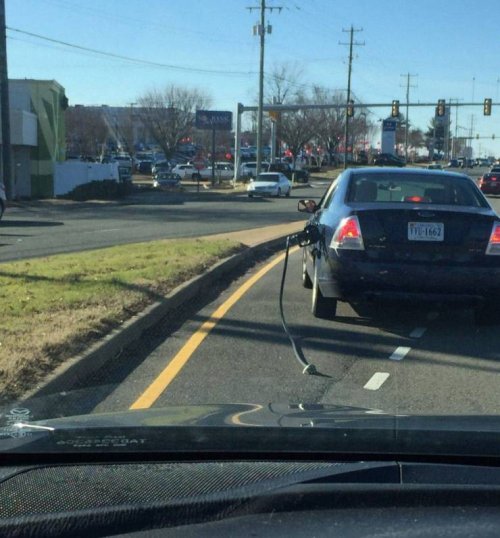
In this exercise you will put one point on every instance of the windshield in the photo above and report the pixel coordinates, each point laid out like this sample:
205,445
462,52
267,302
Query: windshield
142,254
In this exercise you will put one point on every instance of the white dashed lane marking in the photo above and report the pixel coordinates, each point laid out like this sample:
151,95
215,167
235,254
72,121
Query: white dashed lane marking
418,332
400,353
376,381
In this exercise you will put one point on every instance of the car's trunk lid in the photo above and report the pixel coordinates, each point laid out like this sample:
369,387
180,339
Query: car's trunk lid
424,234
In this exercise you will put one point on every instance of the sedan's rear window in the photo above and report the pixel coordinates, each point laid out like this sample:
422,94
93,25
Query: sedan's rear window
417,188
269,177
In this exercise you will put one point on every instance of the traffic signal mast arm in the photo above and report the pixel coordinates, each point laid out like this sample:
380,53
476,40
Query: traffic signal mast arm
290,108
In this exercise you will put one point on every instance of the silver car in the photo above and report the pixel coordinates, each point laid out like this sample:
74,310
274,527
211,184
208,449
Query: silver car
269,184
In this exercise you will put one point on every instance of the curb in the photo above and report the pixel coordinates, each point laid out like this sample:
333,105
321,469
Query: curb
76,369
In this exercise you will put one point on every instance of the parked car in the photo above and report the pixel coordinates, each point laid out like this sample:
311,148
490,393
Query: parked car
387,159
3,200
160,166
166,180
144,167
269,184
416,235
249,169
453,163
434,166
223,170
186,171
300,175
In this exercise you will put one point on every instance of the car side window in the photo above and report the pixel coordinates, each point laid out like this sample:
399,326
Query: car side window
327,199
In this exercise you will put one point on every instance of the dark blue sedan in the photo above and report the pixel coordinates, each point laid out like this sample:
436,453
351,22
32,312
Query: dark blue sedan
409,234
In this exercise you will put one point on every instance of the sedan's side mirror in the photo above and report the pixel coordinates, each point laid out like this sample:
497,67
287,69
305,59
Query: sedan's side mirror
307,206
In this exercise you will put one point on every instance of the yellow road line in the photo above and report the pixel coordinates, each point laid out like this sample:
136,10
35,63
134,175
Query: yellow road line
160,384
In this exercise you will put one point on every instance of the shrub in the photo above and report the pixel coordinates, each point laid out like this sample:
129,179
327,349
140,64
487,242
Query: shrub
100,190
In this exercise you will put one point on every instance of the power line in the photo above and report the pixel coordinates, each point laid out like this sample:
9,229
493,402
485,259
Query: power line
133,22
130,59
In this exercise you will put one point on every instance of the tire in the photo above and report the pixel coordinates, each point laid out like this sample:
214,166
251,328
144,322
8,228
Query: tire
288,193
278,194
250,195
306,279
321,307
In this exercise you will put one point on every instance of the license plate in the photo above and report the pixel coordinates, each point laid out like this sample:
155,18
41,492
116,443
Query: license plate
425,231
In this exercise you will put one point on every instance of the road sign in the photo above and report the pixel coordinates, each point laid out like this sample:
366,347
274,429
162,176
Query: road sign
199,161
388,136
219,120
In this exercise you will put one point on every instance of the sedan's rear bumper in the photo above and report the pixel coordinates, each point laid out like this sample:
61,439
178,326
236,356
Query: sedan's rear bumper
353,280
490,188
262,193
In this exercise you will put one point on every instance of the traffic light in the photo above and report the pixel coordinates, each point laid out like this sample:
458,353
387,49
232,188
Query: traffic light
441,108
350,108
395,109
487,107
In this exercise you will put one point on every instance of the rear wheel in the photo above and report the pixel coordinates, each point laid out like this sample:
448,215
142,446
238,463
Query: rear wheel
306,279
278,194
321,307
288,193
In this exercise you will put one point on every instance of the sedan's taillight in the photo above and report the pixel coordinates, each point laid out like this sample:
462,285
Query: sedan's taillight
493,247
348,235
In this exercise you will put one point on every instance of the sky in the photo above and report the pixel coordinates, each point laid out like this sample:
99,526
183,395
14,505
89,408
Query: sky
451,49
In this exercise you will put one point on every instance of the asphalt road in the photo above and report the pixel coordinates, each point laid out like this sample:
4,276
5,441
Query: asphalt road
42,228
49,227
394,359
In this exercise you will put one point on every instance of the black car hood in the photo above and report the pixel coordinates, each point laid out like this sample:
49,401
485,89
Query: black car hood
254,429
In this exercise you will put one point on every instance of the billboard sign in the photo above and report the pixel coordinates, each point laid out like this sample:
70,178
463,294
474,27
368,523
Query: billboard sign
219,120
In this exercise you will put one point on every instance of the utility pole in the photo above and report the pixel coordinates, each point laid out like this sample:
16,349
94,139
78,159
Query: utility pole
351,44
454,101
261,30
472,116
407,121
450,153
4,107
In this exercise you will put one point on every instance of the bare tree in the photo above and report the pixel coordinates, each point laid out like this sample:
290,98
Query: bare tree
283,83
86,130
299,127
330,121
169,114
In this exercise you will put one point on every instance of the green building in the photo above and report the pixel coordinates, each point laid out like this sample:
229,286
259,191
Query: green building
37,135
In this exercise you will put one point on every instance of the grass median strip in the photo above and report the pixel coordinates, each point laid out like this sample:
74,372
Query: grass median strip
54,308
